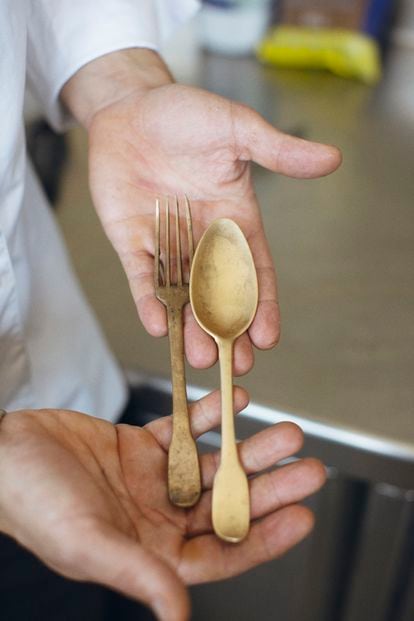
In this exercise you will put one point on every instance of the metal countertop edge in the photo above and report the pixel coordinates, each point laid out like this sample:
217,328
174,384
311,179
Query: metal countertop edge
347,436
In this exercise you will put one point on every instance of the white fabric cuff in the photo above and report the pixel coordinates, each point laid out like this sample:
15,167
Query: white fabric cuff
65,35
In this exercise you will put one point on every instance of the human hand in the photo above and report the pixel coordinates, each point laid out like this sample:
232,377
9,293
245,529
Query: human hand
165,139
90,499
180,140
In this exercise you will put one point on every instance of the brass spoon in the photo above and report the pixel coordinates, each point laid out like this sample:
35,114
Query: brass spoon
223,296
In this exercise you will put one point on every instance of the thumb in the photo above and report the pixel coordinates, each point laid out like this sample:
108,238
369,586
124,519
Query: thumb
108,557
264,144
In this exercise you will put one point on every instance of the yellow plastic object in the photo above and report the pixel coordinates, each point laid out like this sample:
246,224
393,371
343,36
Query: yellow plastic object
346,53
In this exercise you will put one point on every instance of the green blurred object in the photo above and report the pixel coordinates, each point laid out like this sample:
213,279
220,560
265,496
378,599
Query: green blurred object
346,53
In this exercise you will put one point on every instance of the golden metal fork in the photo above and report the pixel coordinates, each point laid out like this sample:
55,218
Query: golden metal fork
184,480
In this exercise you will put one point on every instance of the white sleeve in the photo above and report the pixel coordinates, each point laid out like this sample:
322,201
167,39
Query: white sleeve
64,35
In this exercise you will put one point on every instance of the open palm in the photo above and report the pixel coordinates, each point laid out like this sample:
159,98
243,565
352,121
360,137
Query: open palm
177,140
103,510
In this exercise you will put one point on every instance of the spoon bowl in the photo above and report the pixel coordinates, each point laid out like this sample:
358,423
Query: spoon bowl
223,284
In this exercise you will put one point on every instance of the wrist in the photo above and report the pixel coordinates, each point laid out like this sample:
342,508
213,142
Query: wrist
111,78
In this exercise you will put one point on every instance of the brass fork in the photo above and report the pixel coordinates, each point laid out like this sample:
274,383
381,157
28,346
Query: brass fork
184,481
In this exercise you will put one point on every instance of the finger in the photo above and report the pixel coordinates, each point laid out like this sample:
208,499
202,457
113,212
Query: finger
261,142
286,486
107,556
265,329
205,414
261,451
139,268
151,312
268,493
129,237
243,356
200,348
207,558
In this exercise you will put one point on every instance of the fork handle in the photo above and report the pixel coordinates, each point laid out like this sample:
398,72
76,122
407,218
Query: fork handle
184,480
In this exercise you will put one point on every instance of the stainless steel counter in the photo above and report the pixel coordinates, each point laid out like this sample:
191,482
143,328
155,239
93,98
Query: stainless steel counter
343,246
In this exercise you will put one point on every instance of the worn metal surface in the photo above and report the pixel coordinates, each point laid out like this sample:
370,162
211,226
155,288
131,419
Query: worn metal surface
184,477
223,297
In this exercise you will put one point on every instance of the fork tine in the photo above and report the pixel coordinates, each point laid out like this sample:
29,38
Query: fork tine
167,243
189,231
178,242
157,280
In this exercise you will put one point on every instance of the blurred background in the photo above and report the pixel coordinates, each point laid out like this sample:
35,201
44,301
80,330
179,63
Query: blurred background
342,72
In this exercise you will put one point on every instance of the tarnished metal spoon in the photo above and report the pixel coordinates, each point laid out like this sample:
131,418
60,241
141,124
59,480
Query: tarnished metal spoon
224,296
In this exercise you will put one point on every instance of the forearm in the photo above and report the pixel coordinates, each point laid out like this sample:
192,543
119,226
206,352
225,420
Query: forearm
111,77
5,523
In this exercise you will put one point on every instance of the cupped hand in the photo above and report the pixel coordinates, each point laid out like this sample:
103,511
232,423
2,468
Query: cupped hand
177,140
90,499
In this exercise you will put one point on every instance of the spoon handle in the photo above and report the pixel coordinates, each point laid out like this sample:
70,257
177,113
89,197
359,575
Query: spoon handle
231,503
184,479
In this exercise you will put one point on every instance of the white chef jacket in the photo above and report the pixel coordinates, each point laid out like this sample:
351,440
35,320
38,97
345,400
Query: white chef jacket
52,352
